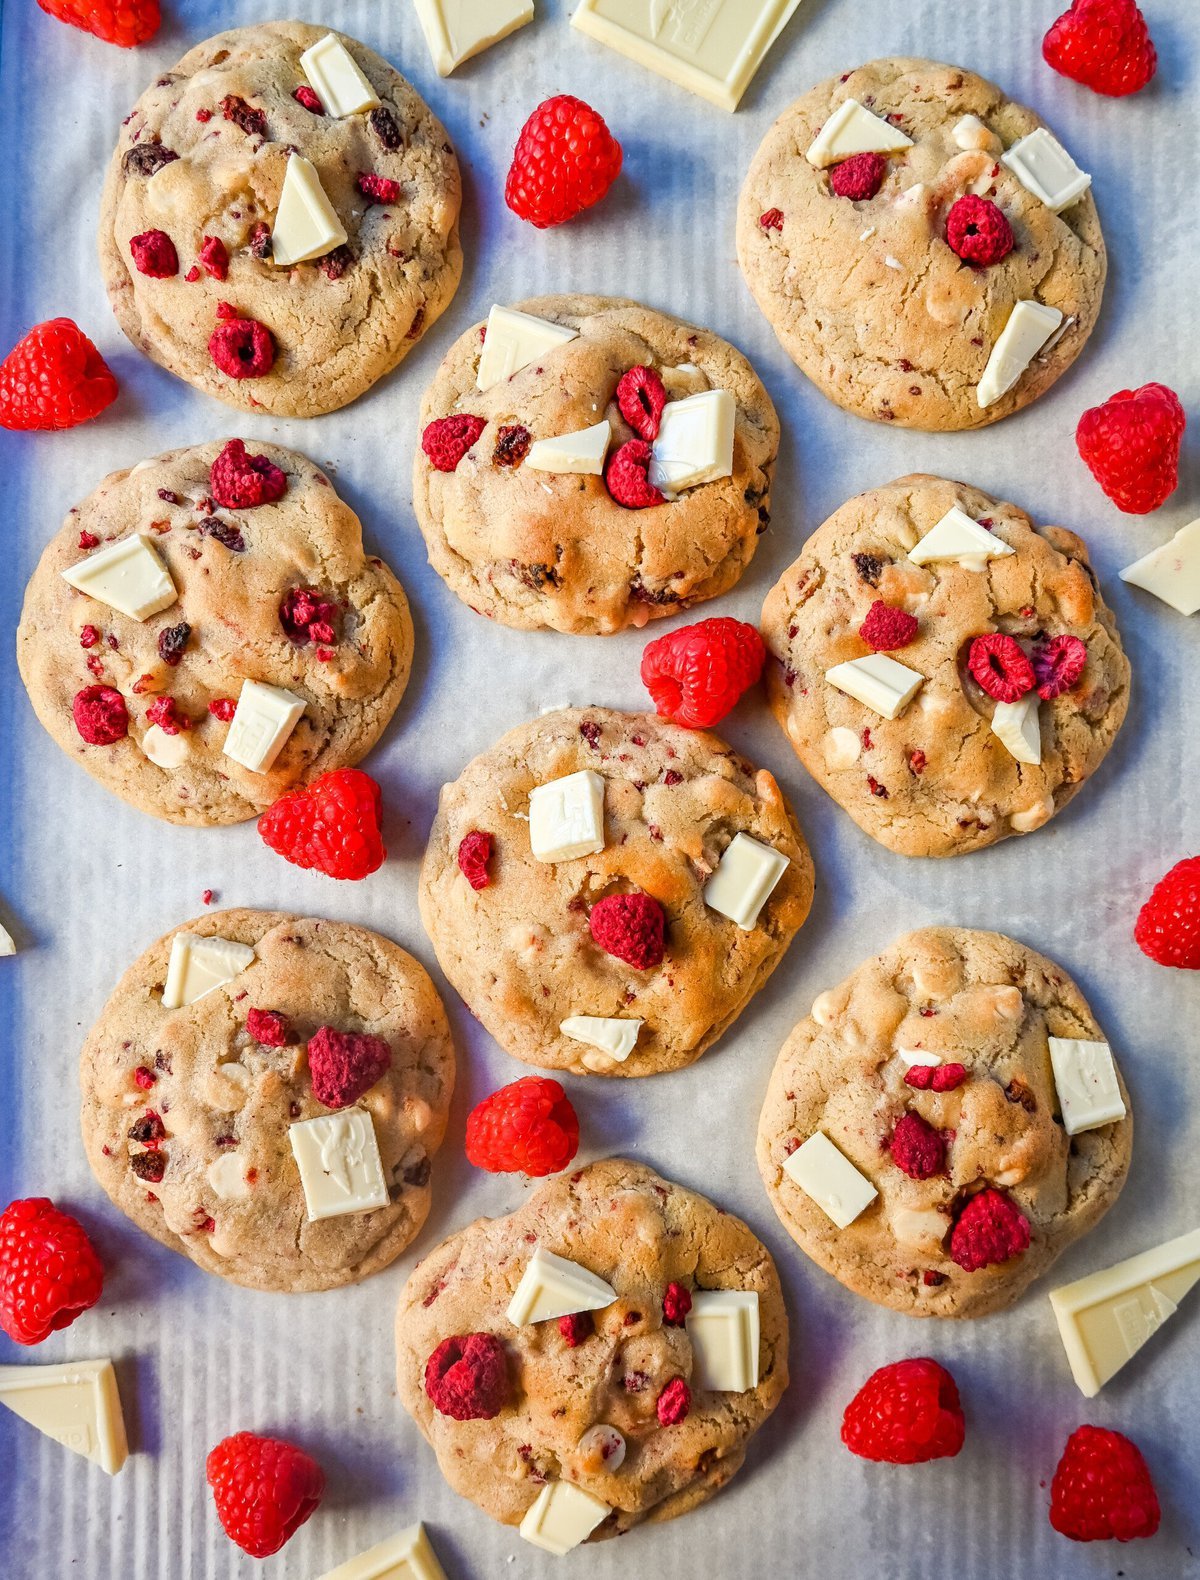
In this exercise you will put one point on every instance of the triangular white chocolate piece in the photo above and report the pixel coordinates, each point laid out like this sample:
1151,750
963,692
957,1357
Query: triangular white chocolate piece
76,1404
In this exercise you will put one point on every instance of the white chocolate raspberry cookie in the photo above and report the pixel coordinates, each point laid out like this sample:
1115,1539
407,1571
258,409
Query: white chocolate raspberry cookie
265,1093
598,1359
927,253
588,464
607,892
947,671
206,632
280,222
944,1123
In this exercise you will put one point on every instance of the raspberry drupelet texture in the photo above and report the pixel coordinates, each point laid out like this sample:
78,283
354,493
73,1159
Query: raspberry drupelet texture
1104,44
308,98
466,1377
885,629
447,439
1168,925
154,254
100,715
991,1229
344,1065
977,230
858,177
1130,445
1058,664
528,1127
565,161
631,928
474,853
49,1271
264,1490
124,22
379,189
998,663
905,1414
241,347
677,1302
641,397
309,615
697,674
1102,1489
333,825
937,1078
627,477
240,481
576,1327
213,258
917,1148
268,1027
674,1403
54,378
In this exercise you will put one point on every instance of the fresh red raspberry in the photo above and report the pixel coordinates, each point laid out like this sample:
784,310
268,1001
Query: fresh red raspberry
309,615
154,254
1102,1489
990,1229
1105,44
978,232
885,629
447,439
268,1027
241,347
264,1490
641,396
677,1302
379,189
697,674
49,1271
345,1064
124,22
1130,445
905,1414
474,853
674,1403
565,160
999,664
222,708
576,1327
305,95
333,825
239,481
630,927
164,711
918,1150
467,1377
627,477
100,715
528,1127
1058,665
54,378
1168,925
858,177
772,219
213,258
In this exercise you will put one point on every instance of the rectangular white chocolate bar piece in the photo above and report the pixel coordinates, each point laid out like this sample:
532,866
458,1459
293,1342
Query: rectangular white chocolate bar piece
339,81
566,817
340,1167
828,1176
127,575
200,965
561,1517
554,1286
513,340
1044,167
744,879
406,1556
694,443
878,682
264,718
723,1328
616,1038
712,48
1029,326
853,129
457,29
581,452
306,222
1085,1078
1105,1318
76,1404
1018,727
957,537
1172,571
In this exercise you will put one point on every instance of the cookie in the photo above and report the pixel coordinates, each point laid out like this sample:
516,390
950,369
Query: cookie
278,592
867,292
937,779
193,1117
929,1071
587,1401
530,544
614,961
190,222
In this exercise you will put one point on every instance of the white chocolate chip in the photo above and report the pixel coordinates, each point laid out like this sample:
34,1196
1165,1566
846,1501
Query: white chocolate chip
923,1229
824,1009
842,747
1009,1003
893,263
227,1176
1032,817
604,1447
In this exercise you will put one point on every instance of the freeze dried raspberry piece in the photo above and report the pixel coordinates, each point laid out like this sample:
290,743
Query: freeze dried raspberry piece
223,708
241,347
576,1327
631,928
345,1064
1058,664
885,629
172,643
627,477
383,123
249,117
858,177
213,257
474,853
309,615
918,1150
938,1078
100,715
512,445
674,1403
307,97
268,1027
990,1229
905,1414
772,219
447,439
165,712
677,1302
154,254
641,396
240,481
998,663
977,230
466,1377
379,189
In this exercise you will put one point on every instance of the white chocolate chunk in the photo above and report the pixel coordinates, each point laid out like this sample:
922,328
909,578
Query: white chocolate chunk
1031,817
581,452
694,443
561,1517
7,945
409,1555
163,750
264,718
514,340
340,1167
613,1037
76,1404
843,747
566,817
1107,1317
828,1176
723,1327
306,222
853,129
340,83
957,537
878,682
457,29
744,879
1029,327
603,1445
553,1286
969,132
917,1056
1085,1077
227,1176
128,576
201,965
1172,571
1044,167
1017,725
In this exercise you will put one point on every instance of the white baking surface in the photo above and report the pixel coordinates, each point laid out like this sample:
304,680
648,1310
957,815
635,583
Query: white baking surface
86,883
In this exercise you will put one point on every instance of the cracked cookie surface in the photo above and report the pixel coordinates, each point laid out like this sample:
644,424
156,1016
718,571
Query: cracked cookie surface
867,297
937,781
639,1232
989,1003
221,1095
542,549
340,321
232,569
520,951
